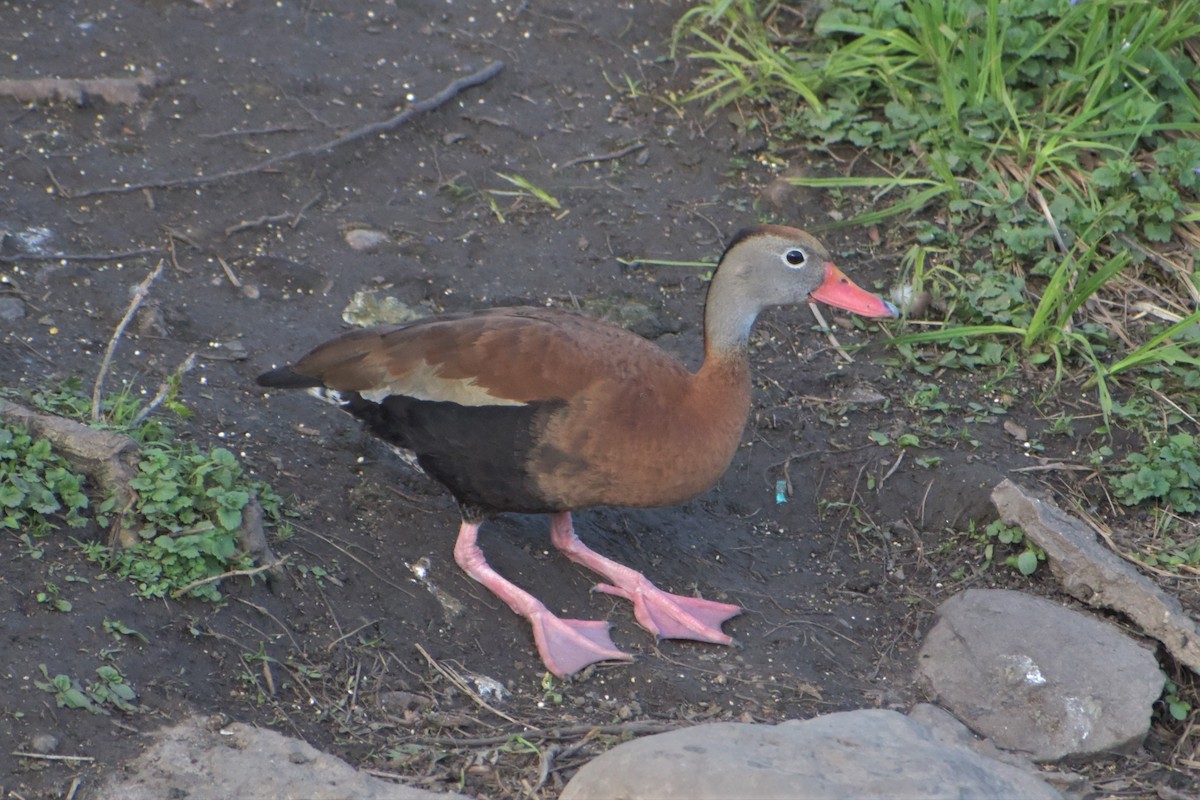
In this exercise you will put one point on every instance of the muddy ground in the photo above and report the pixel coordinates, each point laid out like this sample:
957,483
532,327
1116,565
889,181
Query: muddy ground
350,651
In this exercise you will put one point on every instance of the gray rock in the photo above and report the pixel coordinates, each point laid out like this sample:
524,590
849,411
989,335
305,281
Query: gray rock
1038,678
203,762
1090,572
11,309
861,754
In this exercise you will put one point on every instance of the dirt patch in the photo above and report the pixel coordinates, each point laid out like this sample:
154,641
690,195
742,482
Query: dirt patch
358,651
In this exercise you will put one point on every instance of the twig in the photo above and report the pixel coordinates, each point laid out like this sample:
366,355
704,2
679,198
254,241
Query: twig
463,686
252,132
613,156
76,782
51,757
233,573
139,295
829,333
441,98
266,219
229,273
165,388
145,251
353,557
304,210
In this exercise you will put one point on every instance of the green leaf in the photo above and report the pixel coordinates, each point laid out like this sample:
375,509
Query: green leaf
1027,562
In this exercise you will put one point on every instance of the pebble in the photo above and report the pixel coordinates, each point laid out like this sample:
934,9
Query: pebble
365,240
11,309
44,743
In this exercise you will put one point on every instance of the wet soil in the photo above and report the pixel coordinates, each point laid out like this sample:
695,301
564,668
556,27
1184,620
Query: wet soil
838,547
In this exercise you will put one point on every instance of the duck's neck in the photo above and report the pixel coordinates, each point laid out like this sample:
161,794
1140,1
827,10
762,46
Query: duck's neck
729,314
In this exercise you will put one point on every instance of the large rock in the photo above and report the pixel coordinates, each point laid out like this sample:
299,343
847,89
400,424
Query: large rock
1091,572
1038,678
861,754
197,761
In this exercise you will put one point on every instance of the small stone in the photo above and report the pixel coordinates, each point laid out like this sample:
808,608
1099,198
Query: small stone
44,743
251,292
376,308
11,309
365,240
1015,430
864,396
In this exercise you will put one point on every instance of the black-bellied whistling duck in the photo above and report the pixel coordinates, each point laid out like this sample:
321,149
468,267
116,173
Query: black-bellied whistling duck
537,410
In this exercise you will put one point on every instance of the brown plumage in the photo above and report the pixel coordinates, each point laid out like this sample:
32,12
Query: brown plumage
537,410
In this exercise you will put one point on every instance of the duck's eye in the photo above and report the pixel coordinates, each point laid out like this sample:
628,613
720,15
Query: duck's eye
795,257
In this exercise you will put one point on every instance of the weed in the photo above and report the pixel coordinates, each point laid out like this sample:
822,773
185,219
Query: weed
551,691
187,513
1026,562
119,629
1167,471
49,597
36,485
525,189
1176,707
107,692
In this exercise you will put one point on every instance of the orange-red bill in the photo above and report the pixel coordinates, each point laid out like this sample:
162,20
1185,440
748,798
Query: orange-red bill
839,291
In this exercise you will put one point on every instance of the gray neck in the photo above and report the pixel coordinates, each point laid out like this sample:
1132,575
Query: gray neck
729,313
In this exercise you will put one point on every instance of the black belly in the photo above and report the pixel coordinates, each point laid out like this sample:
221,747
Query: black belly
482,454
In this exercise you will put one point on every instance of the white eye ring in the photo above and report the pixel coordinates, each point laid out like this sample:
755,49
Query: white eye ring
795,257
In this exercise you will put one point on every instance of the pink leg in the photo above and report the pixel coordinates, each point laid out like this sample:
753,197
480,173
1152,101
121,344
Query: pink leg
668,616
566,645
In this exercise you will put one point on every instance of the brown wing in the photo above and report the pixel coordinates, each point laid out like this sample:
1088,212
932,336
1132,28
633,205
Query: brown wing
496,357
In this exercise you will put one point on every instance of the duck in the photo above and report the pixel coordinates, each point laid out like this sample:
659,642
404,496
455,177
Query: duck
538,410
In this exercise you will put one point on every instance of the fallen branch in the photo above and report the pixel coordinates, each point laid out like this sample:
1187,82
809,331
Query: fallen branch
139,295
118,91
439,99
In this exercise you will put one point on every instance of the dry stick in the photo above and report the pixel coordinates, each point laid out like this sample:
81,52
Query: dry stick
613,156
235,573
51,757
138,296
165,389
829,333
462,685
145,251
439,99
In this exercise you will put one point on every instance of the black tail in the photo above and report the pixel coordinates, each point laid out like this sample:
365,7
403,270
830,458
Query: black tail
286,378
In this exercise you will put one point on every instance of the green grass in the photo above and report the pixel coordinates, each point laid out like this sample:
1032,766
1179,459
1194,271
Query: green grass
1037,165
1039,158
